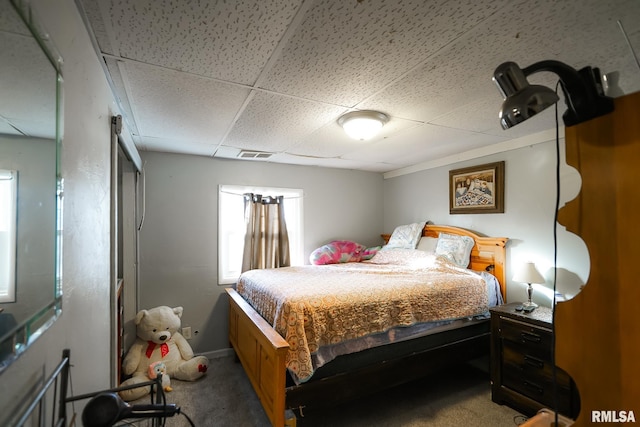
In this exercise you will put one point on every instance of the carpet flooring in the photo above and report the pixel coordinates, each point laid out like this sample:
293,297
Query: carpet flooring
461,397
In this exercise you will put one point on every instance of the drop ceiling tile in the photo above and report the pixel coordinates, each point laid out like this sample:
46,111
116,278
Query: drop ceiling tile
330,163
524,32
423,63
272,122
11,23
344,52
7,129
181,106
102,30
228,40
170,145
482,117
437,87
27,86
422,143
297,159
578,33
30,126
331,141
227,152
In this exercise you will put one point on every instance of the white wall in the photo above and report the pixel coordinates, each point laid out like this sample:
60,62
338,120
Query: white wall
85,323
528,220
178,241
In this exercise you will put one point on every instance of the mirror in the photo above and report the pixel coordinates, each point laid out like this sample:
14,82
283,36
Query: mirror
30,186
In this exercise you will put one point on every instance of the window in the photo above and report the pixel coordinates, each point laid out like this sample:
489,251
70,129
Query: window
231,227
8,208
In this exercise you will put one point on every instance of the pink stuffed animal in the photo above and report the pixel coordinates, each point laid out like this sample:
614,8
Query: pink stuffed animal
339,251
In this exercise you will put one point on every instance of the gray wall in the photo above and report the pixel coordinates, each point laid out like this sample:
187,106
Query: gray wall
35,161
528,220
178,240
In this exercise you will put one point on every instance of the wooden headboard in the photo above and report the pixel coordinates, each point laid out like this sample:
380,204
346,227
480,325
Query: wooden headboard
488,253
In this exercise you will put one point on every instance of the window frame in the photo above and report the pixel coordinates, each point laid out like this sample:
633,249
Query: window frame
227,227
8,223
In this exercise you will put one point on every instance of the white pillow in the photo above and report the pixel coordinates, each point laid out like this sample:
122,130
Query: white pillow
456,249
405,236
427,244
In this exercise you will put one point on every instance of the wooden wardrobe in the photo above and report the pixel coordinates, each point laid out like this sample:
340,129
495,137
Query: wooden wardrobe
598,331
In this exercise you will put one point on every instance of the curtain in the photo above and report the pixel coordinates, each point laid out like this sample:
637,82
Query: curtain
266,241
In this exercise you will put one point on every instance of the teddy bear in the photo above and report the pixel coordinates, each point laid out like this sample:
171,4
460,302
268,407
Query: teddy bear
158,340
159,368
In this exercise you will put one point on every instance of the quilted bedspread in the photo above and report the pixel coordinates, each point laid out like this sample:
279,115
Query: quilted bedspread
316,305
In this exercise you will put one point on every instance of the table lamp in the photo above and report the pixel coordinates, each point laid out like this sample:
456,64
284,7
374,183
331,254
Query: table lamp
529,274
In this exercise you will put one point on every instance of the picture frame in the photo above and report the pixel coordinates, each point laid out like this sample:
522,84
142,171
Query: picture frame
477,189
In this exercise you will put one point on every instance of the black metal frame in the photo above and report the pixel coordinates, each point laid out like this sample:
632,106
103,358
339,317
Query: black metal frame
61,372
59,379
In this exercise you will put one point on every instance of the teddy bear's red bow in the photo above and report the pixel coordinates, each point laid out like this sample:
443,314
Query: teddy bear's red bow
164,349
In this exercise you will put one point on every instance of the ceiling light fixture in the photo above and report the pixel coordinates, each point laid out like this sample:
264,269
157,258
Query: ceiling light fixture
363,125
582,90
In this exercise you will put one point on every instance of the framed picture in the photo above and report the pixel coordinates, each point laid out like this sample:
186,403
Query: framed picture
477,189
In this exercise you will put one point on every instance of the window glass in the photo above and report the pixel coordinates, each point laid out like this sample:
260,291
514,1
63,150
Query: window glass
8,189
231,227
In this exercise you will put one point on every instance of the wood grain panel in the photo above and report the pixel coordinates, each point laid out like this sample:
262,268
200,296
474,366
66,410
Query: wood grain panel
598,332
262,353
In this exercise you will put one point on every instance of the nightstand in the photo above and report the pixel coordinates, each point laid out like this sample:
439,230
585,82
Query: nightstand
522,374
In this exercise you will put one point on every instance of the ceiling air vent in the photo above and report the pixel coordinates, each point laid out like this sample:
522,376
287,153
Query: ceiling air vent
244,154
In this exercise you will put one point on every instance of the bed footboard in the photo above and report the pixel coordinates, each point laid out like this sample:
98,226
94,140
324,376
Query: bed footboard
262,352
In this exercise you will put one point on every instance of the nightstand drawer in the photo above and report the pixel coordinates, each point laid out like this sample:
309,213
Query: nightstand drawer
522,371
539,388
532,367
530,339
514,356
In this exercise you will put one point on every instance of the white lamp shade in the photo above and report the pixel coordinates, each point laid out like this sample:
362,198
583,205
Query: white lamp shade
528,273
363,125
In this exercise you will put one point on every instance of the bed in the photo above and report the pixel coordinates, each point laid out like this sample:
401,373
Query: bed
295,357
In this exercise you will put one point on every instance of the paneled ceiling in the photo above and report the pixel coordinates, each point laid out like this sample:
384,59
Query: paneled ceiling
213,78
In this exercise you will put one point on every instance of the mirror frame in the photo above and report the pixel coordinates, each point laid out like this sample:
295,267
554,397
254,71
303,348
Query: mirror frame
22,336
